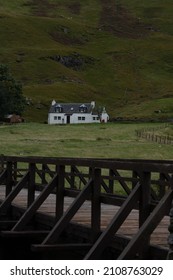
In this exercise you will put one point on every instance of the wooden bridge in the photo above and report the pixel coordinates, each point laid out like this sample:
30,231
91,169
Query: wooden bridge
71,208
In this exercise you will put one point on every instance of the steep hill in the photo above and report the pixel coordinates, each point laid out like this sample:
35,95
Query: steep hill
116,52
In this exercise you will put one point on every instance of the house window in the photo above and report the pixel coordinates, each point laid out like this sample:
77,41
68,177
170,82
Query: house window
83,109
58,109
59,118
95,118
55,118
81,118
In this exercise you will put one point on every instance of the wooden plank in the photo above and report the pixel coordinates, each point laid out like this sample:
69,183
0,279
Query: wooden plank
65,219
113,199
19,234
138,241
164,166
7,223
58,247
71,193
129,227
106,237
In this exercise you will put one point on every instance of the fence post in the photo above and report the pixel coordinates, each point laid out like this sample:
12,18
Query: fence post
95,204
60,170
31,184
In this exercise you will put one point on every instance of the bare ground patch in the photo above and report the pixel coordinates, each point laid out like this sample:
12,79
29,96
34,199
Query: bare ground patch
42,8
116,19
46,9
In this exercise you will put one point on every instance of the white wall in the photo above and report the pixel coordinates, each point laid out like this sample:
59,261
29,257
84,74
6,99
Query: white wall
60,118
83,118
74,118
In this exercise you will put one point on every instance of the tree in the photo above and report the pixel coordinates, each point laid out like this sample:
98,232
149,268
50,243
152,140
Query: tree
12,100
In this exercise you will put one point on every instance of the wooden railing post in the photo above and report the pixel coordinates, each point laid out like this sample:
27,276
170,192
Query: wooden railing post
43,176
9,182
170,239
170,228
111,181
144,202
144,205
95,204
161,188
31,184
15,172
73,178
60,170
135,176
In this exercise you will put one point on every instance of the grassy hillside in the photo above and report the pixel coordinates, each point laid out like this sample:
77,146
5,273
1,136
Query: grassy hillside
121,53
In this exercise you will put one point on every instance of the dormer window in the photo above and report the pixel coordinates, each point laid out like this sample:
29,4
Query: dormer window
83,109
58,109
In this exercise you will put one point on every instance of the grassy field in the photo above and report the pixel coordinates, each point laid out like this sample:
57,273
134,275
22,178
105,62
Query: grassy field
112,140
130,43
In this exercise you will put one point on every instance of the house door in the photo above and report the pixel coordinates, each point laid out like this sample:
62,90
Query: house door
68,119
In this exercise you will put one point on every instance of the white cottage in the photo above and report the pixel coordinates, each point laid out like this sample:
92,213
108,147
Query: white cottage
63,113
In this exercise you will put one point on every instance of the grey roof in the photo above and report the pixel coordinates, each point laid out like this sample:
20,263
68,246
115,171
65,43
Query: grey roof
71,108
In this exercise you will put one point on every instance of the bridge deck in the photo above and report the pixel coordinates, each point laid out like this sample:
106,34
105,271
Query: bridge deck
83,216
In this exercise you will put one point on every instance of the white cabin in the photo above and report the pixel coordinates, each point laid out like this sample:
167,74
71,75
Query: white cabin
65,113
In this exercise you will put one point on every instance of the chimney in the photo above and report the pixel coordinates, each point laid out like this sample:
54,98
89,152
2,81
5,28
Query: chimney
53,102
93,104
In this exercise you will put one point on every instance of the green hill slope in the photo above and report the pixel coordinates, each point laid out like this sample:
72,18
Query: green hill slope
116,52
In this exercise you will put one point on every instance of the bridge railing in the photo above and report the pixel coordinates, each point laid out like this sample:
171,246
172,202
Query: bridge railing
132,184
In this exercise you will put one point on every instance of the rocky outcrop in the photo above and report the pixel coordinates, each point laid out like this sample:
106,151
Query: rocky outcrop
75,61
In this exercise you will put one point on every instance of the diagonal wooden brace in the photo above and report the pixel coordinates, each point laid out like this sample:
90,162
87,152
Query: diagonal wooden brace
26,217
65,219
7,202
106,237
138,241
